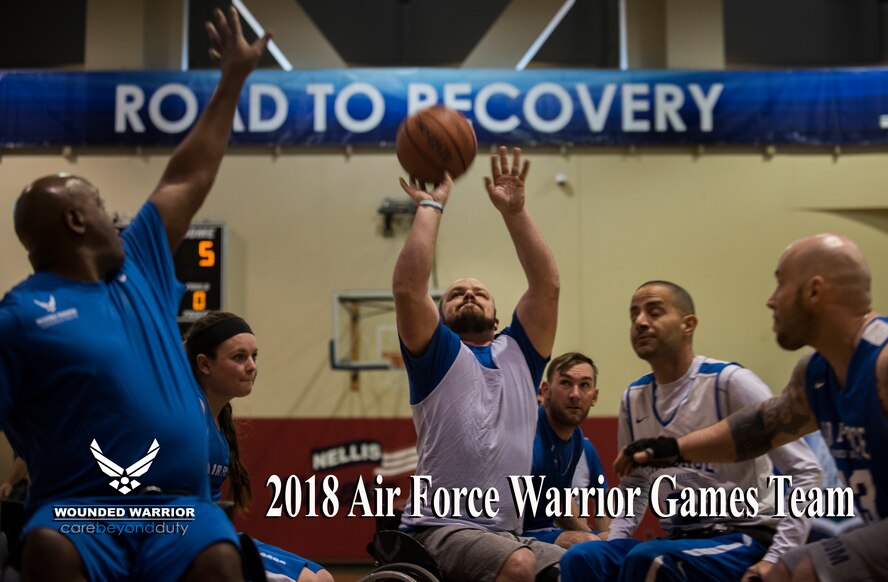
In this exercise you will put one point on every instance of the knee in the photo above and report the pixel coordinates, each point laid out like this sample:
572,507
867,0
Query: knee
47,554
568,539
520,566
571,558
804,571
779,573
319,576
220,561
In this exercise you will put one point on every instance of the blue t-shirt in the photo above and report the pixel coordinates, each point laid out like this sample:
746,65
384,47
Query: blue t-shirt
97,370
852,422
556,460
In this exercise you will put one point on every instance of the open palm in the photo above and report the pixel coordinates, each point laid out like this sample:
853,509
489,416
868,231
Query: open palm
506,186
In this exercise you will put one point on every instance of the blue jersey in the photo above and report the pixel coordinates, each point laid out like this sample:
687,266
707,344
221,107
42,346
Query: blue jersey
852,422
220,457
556,460
589,468
93,378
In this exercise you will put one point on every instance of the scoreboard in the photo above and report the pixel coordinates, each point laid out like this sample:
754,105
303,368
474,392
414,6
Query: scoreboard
200,266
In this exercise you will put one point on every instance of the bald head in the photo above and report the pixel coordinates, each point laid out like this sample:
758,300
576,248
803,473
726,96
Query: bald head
823,282
39,213
61,221
836,259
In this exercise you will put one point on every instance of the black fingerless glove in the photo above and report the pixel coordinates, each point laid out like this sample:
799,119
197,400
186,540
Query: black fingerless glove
663,451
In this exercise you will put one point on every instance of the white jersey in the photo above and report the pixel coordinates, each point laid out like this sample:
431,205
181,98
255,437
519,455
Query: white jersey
708,392
475,429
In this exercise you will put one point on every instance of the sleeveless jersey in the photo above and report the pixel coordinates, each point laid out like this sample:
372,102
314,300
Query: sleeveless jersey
699,404
852,422
476,426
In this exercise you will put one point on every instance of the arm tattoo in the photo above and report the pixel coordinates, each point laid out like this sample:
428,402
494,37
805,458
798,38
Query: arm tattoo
755,427
747,428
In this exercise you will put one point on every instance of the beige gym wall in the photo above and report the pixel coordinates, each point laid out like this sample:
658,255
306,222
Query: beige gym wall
304,225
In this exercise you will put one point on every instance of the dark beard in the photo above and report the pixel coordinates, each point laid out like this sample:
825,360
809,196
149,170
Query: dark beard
803,329
471,321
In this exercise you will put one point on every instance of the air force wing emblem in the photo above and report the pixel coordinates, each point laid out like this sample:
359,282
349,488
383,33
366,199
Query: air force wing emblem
49,306
123,478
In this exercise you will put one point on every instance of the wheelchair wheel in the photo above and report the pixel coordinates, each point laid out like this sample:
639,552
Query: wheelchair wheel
400,572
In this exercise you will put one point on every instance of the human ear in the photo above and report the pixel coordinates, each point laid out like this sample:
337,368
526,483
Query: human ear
203,364
74,220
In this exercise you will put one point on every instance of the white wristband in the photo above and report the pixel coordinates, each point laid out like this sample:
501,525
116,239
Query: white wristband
436,205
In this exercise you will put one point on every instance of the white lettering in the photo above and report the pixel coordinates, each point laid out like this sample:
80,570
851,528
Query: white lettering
377,107
483,116
279,115
129,99
320,92
534,119
170,126
633,105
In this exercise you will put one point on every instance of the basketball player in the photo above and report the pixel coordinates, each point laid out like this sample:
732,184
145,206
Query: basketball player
589,470
92,373
822,300
222,351
685,391
473,390
568,392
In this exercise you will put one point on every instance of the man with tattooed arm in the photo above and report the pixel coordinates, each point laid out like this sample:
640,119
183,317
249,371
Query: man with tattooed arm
822,300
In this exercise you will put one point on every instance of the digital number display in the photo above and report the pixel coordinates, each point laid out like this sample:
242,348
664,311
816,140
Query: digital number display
199,262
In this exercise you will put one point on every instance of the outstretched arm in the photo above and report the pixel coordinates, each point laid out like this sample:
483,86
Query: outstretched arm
746,434
193,165
417,314
538,307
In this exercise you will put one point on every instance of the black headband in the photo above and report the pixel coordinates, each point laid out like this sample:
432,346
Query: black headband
207,339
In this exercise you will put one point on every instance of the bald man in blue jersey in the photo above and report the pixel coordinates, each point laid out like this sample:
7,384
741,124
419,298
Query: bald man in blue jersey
822,299
95,389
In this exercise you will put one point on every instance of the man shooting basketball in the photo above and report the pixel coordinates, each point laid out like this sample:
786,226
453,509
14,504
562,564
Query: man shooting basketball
473,390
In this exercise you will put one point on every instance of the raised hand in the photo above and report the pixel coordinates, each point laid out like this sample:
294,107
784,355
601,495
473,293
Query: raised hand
506,187
416,190
229,49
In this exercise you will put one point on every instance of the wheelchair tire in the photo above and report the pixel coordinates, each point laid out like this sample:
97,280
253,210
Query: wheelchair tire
400,572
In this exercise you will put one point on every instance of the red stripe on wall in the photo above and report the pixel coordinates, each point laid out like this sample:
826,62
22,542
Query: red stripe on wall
290,459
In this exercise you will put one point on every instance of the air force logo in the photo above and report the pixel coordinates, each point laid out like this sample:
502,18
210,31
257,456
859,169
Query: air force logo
123,478
49,306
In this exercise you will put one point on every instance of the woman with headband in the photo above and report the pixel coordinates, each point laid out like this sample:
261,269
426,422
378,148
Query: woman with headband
222,351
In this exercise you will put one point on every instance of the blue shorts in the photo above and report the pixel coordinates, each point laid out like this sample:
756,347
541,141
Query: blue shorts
159,546
724,557
282,562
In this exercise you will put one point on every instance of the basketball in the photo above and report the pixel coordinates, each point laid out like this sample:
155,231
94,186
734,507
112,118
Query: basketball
436,140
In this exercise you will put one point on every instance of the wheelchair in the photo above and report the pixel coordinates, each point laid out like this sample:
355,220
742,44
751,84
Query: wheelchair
397,556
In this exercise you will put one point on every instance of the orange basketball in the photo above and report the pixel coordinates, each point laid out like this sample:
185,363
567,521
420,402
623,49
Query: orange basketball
436,140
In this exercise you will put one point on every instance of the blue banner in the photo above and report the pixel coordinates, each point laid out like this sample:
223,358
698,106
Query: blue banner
364,107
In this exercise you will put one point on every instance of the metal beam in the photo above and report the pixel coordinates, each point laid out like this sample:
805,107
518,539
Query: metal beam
296,34
513,34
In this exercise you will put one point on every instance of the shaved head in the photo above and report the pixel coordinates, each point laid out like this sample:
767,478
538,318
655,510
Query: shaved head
821,279
835,258
61,221
39,210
